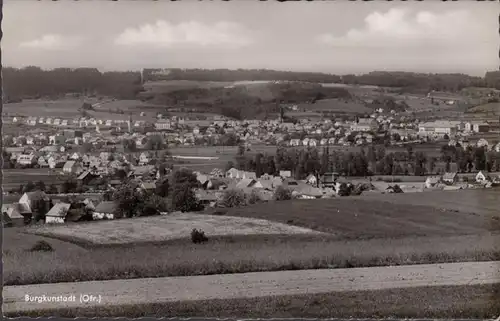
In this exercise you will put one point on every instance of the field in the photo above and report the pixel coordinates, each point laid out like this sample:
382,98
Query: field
481,203
12,178
230,254
336,105
165,86
364,232
365,217
68,108
163,228
493,108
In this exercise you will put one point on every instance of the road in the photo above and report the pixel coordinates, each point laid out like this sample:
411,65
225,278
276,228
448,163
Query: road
248,285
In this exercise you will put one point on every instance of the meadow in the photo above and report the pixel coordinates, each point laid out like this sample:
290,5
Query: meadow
162,228
337,105
228,254
383,216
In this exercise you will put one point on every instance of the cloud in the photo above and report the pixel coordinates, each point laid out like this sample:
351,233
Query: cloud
165,34
399,27
51,42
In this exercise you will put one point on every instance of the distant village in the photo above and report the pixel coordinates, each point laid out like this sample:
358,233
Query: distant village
96,155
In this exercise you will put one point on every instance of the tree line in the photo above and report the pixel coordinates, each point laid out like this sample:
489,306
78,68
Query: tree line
373,160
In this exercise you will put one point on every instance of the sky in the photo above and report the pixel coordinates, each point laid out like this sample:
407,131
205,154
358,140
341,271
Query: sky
333,37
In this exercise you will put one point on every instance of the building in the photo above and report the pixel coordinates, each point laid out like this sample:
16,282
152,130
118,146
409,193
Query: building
450,178
57,213
365,125
105,211
72,167
163,125
27,159
437,128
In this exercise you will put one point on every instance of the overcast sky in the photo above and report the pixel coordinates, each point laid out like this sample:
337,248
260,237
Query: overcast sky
334,37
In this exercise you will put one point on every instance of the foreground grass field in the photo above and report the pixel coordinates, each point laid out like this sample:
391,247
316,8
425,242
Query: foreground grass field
461,302
230,254
162,228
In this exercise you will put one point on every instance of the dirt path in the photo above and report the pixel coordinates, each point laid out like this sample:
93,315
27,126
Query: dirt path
157,290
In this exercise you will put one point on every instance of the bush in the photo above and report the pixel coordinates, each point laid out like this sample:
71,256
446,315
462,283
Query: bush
41,246
282,194
233,198
198,236
254,197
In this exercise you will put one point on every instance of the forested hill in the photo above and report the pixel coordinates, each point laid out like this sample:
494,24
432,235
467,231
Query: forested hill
33,82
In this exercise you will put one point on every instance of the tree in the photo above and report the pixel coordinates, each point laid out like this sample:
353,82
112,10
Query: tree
282,194
154,205
129,145
241,150
184,176
40,185
86,148
184,199
162,187
155,142
233,198
52,189
29,187
128,200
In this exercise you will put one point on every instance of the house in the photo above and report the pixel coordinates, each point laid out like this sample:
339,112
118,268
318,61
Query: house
307,192
295,142
206,198
482,177
72,167
328,180
85,177
144,158
26,159
30,202
147,186
75,156
364,125
57,214
248,183
450,177
15,213
285,174
232,173
142,171
105,211
56,162
432,181
312,179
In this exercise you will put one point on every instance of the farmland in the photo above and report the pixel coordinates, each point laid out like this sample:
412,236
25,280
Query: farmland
228,254
338,106
69,108
366,218
12,178
163,228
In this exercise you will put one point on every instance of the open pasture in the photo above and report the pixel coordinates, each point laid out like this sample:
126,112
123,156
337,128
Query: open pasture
338,106
230,254
163,228
484,204
165,86
366,217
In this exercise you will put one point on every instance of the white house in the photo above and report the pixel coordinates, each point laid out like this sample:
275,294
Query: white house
481,177
72,167
432,181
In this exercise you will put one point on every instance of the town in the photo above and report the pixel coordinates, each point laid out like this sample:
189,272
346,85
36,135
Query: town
386,152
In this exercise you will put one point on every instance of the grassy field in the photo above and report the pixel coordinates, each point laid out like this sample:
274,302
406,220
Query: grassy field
337,105
12,178
365,217
229,254
479,203
478,301
163,228
69,108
